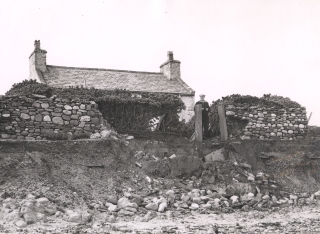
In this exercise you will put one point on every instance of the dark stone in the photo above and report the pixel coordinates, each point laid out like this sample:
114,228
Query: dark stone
37,105
22,124
74,122
15,103
38,118
91,113
74,116
46,131
24,111
24,133
57,110
54,114
87,128
95,120
112,199
66,117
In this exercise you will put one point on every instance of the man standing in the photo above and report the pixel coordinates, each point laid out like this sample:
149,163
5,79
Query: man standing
205,115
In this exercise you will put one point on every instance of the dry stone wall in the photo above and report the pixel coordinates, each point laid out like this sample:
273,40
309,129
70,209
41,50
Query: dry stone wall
270,123
36,117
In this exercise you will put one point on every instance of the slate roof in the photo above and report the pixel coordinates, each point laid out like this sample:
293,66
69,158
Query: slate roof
57,76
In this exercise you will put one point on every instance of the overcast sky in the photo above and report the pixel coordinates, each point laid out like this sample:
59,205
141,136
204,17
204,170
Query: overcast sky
225,46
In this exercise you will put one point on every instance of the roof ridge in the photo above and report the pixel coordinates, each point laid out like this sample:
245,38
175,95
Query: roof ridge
103,69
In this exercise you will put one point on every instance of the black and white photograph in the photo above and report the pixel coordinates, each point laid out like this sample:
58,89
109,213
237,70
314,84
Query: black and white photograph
162,116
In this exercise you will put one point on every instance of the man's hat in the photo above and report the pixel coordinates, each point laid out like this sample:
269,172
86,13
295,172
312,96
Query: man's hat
202,95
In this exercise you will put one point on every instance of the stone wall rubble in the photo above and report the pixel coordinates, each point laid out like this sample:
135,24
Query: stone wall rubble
36,117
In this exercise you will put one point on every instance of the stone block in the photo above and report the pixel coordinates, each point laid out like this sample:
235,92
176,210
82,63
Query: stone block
230,113
28,138
215,156
91,113
85,118
67,107
47,118
67,112
24,111
54,114
74,122
38,118
22,124
74,116
44,105
66,117
87,128
58,110
95,120
58,120
25,116
5,136
24,133
81,125
46,131
36,104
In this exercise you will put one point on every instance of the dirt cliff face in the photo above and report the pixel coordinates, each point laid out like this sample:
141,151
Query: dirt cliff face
294,164
91,168
88,168
94,175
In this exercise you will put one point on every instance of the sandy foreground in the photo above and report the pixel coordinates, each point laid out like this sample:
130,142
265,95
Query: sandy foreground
284,220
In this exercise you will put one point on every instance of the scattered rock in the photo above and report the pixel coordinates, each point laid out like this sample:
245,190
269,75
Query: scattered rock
21,224
152,206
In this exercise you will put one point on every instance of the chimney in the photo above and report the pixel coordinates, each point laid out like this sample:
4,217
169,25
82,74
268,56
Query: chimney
38,58
170,56
37,62
171,68
37,44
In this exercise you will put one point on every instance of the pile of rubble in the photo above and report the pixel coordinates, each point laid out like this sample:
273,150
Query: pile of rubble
160,203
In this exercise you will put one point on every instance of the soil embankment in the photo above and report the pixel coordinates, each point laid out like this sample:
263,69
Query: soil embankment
82,176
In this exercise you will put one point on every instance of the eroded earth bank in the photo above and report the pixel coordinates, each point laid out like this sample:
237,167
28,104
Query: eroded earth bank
159,186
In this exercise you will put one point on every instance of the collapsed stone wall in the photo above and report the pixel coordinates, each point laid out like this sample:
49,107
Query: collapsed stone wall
36,117
269,123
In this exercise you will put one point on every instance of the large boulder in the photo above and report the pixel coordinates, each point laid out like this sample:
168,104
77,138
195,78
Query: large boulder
239,189
13,216
124,202
73,216
152,206
30,218
21,223
215,156
112,199
174,167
